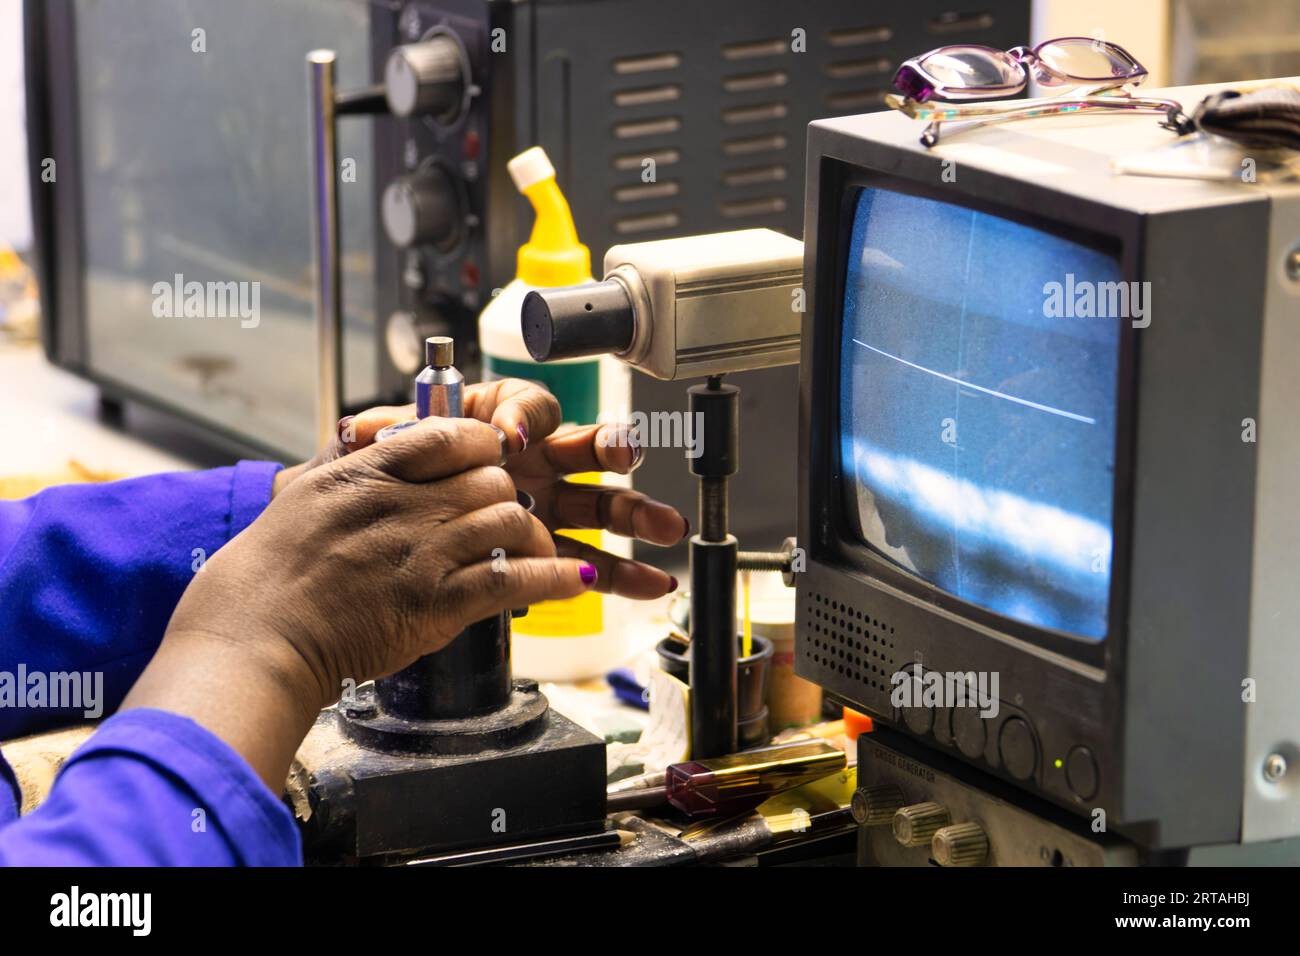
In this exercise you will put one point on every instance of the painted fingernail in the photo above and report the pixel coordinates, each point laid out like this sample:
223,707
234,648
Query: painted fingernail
388,431
687,533
346,433
638,453
672,584
588,573
523,435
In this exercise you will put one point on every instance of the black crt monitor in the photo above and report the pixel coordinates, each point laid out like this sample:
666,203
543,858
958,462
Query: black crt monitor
1034,469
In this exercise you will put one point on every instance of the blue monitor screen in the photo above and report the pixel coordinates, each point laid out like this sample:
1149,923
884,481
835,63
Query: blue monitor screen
977,424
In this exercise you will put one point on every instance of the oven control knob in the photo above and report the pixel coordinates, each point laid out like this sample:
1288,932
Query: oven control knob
404,337
422,208
875,806
917,824
427,78
962,844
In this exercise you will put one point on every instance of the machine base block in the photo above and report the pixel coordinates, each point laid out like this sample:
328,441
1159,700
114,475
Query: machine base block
361,805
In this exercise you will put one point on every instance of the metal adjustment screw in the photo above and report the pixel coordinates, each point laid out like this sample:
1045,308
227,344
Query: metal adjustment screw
1293,264
916,825
876,806
1274,768
788,547
962,844
782,561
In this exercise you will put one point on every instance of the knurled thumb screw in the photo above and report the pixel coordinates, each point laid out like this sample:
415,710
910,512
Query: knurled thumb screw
916,825
875,806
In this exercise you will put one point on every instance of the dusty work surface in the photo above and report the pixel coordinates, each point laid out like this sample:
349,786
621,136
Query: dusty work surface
50,421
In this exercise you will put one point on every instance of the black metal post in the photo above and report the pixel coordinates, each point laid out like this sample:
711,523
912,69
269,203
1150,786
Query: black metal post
715,418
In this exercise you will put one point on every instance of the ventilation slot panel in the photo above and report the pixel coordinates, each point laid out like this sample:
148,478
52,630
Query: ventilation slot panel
751,145
641,96
638,225
644,191
659,126
637,161
649,63
648,97
850,69
756,175
755,49
957,21
859,36
856,101
757,113
749,82
744,208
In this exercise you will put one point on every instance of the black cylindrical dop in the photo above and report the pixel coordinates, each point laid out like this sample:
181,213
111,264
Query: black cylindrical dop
595,318
468,677
715,429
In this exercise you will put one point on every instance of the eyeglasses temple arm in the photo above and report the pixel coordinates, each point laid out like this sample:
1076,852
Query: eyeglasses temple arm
1175,119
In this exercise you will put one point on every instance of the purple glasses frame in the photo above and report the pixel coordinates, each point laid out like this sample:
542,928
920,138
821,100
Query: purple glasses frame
915,82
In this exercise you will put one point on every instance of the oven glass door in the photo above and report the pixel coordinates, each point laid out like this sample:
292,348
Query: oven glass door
195,157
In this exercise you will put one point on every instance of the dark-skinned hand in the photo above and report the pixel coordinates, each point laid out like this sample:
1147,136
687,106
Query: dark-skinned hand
541,456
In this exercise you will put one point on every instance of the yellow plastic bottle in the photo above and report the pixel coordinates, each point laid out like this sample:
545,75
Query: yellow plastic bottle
580,637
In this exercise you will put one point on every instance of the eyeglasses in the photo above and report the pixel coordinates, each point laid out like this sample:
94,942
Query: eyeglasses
971,71
933,84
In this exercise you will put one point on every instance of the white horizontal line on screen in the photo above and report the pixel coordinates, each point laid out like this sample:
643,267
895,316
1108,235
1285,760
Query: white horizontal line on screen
980,388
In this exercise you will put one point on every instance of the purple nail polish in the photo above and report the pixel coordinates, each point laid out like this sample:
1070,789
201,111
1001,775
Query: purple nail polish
388,431
637,454
342,427
523,435
687,533
672,584
588,574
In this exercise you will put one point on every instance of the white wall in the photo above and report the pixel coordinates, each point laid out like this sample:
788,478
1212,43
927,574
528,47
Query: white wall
1139,26
15,214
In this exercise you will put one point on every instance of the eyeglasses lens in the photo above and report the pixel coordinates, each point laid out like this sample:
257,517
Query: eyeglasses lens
958,68
1083,59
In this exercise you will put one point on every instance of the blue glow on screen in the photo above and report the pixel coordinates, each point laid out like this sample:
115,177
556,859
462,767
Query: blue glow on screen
977,433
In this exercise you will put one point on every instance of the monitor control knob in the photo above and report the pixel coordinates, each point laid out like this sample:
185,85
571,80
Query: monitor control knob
422,208
962,844
917,824
1018,748
875,806
404,336
428,78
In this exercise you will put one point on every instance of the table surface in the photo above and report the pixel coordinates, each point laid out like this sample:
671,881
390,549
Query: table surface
49,418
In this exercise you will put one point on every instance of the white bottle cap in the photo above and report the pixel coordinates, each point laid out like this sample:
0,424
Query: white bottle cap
530,167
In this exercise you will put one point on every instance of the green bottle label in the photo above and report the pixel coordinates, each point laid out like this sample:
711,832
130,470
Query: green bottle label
575,384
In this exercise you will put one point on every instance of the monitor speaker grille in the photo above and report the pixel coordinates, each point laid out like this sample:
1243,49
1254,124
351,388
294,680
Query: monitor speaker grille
846,641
